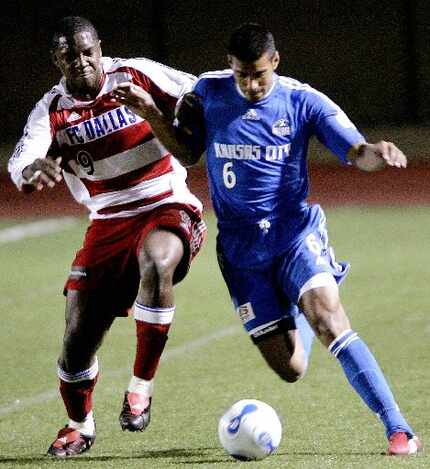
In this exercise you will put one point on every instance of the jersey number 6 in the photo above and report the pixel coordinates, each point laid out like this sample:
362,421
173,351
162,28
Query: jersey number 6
228,175
314,245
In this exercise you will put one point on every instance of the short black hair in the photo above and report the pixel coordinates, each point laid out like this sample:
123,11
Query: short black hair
70,25
250,41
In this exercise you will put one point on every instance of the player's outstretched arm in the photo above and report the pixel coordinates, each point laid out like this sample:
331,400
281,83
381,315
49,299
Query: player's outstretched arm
142,103
375,156
43,172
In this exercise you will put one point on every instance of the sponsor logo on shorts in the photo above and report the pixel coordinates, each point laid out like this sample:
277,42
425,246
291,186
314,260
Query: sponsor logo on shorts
185,221
198,232
245,312
265,330
78,272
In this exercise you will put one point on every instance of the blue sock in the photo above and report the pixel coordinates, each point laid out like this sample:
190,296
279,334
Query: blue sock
367,379
306,333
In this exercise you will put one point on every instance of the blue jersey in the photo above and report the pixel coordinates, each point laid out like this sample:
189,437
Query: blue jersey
256,156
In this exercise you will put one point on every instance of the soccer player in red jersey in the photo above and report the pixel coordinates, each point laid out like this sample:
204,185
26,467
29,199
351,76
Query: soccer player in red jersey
145,228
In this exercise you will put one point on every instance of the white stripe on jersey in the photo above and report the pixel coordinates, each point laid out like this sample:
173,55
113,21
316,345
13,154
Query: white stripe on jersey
171,81
143,190
214,74
123,163
217,74
293,84
174,181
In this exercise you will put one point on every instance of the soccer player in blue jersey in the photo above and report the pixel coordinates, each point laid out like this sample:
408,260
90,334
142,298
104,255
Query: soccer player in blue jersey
272,246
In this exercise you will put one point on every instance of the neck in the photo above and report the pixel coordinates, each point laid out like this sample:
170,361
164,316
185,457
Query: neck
86,93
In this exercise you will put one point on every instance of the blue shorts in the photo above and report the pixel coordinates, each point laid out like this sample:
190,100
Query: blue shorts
266,294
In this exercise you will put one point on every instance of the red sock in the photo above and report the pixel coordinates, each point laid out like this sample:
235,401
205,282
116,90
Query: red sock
151,339
78,397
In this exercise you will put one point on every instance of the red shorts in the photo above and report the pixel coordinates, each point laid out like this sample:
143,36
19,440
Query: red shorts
108,261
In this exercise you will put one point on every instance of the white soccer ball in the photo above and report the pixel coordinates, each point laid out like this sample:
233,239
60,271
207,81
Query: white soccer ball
249,430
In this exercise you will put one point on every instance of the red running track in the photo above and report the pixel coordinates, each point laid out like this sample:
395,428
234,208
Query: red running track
330,186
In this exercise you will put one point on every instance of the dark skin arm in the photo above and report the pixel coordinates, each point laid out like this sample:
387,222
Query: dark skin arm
142,104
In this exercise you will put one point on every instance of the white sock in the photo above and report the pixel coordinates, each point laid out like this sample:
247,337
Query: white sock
87,427
141,386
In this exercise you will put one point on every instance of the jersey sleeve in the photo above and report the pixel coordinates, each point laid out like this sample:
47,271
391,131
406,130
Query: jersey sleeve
200,87
165,84
332,126
35,141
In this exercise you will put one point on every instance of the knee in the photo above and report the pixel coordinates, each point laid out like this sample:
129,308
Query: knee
325,318
291,376
295,372
159,256
156,270
325,311
291,371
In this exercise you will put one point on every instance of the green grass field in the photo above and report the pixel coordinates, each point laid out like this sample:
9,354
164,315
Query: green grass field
209,362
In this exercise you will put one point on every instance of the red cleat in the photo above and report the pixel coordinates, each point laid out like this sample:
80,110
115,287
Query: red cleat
136,412
70,442
402,445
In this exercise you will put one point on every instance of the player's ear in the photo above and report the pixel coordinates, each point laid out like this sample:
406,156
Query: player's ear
275,60
54,58
230,59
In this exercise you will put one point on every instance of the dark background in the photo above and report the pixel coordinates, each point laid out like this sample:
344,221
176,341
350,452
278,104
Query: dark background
371,57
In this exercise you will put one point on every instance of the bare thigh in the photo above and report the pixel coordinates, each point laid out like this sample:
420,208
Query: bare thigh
325,313
161,253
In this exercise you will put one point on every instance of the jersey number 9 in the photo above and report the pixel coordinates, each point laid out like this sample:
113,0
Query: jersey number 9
85,161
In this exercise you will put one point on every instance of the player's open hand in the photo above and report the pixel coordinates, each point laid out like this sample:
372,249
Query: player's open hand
391,155
136,99
43,172
374,156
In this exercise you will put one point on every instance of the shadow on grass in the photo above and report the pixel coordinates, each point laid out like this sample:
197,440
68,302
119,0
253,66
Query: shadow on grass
192,456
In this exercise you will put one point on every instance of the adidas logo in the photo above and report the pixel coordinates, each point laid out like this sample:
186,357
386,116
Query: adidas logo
73,117
251,115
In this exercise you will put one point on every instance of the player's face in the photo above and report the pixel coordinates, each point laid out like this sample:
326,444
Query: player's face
79,59
254,78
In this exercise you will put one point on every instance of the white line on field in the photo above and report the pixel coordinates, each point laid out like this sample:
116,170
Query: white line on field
36,228
27,402
47,396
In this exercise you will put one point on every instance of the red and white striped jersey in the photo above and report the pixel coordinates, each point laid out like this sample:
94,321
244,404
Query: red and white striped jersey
111,161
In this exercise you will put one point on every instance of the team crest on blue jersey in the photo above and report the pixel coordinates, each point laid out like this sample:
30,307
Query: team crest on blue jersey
281,128
251,115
